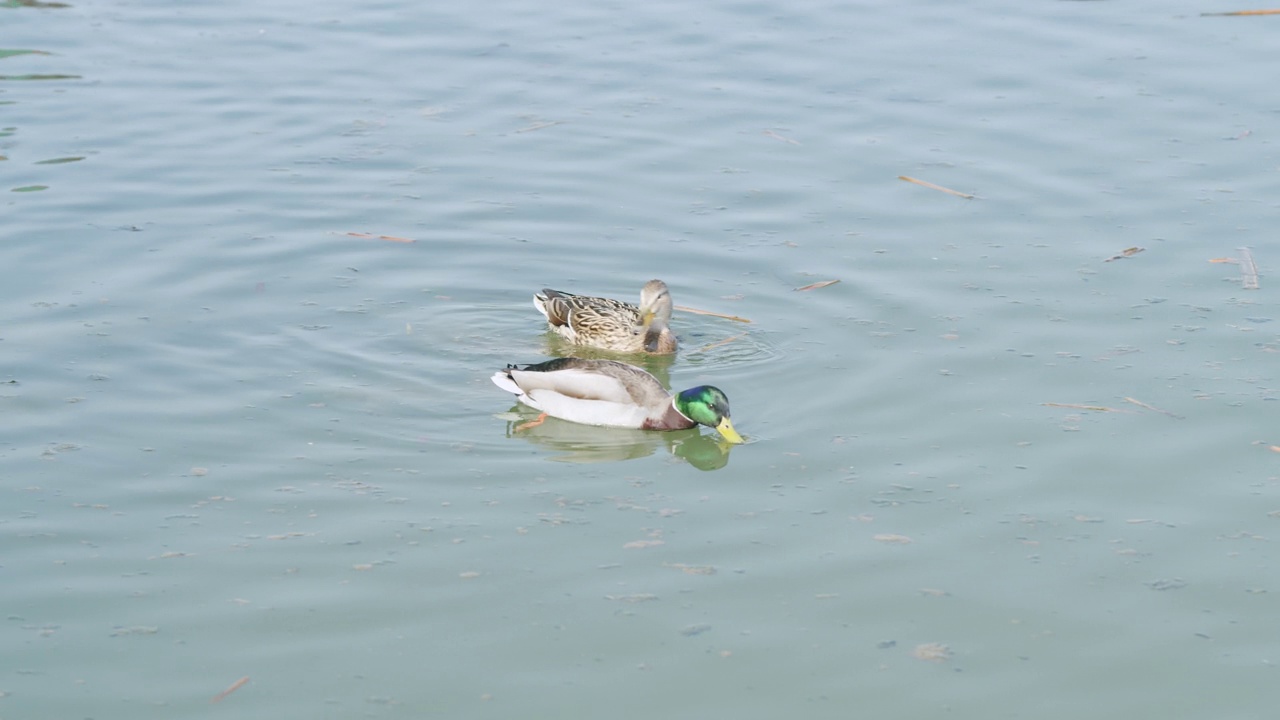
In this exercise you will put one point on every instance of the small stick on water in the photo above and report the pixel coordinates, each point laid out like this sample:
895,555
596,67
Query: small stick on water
539,126
389,238
815,286
925,183
1240,12
1127,252
234,687
1248,269
696,311
1074,406
1141,404
776,136
718,343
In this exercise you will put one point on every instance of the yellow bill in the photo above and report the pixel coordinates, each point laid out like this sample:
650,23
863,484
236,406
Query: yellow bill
725,428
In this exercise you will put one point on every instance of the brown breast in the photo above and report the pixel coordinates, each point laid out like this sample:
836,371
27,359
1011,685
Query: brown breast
670,420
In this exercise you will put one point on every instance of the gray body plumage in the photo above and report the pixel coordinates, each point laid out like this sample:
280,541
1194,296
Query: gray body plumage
594,392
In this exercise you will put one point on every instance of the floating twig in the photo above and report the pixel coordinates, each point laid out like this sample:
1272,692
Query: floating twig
232,688
776,136
539,126
1248,269
718,343
1074,406
1141,404
817,285
692,569
1240,12
1127,252
925,183
389,238
696,311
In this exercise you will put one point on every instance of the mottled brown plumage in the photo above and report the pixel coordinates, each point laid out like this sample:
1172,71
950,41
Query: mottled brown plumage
611,324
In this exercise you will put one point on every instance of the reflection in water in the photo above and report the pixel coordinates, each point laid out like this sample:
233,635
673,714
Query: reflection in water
705,452
590,444
39,77
6,53
11,53
33,4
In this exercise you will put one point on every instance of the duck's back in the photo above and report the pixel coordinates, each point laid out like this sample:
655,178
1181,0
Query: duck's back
593,321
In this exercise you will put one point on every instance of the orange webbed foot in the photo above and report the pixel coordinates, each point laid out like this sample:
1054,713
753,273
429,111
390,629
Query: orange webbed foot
532,423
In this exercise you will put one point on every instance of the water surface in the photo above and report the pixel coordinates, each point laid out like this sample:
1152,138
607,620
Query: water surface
991,473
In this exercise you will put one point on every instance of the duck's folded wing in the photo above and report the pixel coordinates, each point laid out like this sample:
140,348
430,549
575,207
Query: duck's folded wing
572,383
554,305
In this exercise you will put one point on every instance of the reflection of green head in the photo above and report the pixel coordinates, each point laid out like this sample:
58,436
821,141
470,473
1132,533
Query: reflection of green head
708,406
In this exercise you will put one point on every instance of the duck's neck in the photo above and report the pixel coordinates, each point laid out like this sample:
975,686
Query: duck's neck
653,337
673,419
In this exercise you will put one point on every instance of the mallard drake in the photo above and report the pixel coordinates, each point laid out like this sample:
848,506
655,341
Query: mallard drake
614,394
612,324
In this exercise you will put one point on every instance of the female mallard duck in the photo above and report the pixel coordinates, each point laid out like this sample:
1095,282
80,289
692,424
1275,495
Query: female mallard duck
614,394
612,324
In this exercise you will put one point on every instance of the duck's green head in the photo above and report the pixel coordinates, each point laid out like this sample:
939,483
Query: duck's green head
708,406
